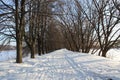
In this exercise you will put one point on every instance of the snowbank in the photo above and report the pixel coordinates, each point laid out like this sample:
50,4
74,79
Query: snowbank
114,54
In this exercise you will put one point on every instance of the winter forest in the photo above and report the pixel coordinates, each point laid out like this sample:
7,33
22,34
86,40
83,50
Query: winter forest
59,39
42,26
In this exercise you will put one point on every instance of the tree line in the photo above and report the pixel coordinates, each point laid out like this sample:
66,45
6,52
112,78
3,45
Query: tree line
42,26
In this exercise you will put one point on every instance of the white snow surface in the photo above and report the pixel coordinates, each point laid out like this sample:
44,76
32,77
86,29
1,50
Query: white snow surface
114,54
7,55
61,65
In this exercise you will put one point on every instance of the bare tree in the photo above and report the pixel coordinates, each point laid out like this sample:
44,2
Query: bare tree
30,35
104,21
108,18
6,17
78,31
20,24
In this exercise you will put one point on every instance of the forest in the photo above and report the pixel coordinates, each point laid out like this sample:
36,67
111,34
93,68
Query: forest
42,26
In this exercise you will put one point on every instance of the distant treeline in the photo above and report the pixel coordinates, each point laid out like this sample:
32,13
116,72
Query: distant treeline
7,47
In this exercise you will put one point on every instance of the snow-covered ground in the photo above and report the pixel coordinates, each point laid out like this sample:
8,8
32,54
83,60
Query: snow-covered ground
114,54
7,55
61,65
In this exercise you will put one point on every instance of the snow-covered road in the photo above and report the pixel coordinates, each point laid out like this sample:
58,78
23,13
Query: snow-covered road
61,65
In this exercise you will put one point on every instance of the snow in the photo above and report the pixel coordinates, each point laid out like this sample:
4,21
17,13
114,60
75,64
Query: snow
7,55
114,54
61,65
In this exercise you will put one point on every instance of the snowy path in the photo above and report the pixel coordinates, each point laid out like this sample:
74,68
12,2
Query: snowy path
61,65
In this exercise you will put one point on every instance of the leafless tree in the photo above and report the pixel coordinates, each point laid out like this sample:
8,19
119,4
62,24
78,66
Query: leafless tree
19,26
106,20
78,31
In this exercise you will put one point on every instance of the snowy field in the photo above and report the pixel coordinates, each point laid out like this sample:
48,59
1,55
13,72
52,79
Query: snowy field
7,55
61,65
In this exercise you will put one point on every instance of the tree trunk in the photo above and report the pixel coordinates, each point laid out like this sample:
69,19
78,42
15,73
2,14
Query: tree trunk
39,46
42,46
104,52
19,51
33,50
18,36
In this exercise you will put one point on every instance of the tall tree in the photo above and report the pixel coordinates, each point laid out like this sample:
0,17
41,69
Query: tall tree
105,20
108,18
20,24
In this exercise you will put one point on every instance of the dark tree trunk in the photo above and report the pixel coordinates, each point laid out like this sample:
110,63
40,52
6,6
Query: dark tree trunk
33,50
104,52
42,46
19,51
18,35
39,46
